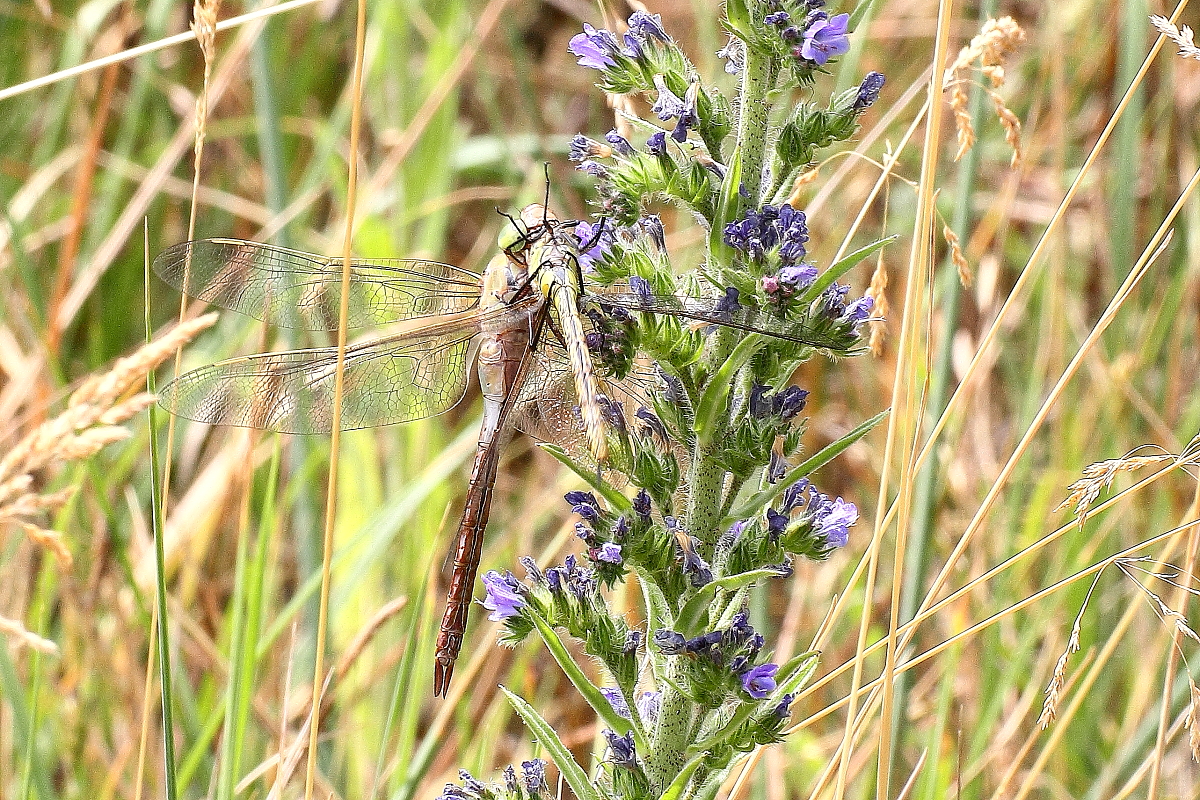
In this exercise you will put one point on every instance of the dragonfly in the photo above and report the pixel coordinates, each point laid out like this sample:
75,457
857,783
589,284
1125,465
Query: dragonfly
521,319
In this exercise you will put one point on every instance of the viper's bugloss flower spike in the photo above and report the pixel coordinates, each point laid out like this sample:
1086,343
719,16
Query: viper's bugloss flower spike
702,433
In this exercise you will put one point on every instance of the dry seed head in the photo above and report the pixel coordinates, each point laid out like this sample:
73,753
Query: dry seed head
957,256
16,633
1053,692
877,291
991,47
1098,477
1181,36
1190,721
52,541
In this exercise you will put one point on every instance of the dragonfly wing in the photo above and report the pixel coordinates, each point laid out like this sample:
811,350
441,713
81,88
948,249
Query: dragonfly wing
293,289
705,311
385,381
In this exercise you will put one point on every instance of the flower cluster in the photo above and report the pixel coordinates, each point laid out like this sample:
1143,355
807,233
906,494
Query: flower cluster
529,785
703,495
777,231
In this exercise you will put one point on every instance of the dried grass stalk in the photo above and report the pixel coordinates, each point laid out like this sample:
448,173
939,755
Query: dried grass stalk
991,48
90,422
16,633
1099,476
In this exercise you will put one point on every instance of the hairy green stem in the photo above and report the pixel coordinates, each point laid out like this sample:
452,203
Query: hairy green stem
758,76
672,731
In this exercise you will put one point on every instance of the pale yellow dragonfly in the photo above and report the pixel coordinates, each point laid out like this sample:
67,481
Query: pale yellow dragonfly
522,318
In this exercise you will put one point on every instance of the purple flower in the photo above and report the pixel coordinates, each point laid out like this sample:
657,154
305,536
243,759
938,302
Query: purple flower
641,504
641,288
651,424
621,748
656,145
648,704
825,38
860,309
760,231
729,303
620,528
760,681
582,147
617,701
652,226
695,567
595,48
648,26
532,570
776,523
609,553
533,773
668,642
777,467
733,55
595,240
777,18
668,105
868,91
593,168
510,781
784,709
832,520
796,277
619,143
633,640
504,595
704,642
583,503
472,785
793,496
789,402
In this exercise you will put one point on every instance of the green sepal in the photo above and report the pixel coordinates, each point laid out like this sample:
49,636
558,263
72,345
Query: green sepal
581,683
837,270
760,500
615,499
572,773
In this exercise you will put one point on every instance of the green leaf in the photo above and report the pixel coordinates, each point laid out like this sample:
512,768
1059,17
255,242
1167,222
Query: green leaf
675,790
615,499
737,15
582,685
795,673
715,398
760,500
695,608
839,269
572,773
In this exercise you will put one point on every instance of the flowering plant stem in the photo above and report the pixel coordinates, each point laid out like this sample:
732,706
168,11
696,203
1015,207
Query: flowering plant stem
712,428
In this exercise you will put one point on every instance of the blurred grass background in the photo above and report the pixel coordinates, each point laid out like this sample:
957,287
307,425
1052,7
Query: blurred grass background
463,101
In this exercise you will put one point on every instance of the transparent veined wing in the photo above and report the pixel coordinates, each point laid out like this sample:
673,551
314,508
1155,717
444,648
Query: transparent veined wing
386,381
294,289
708,311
